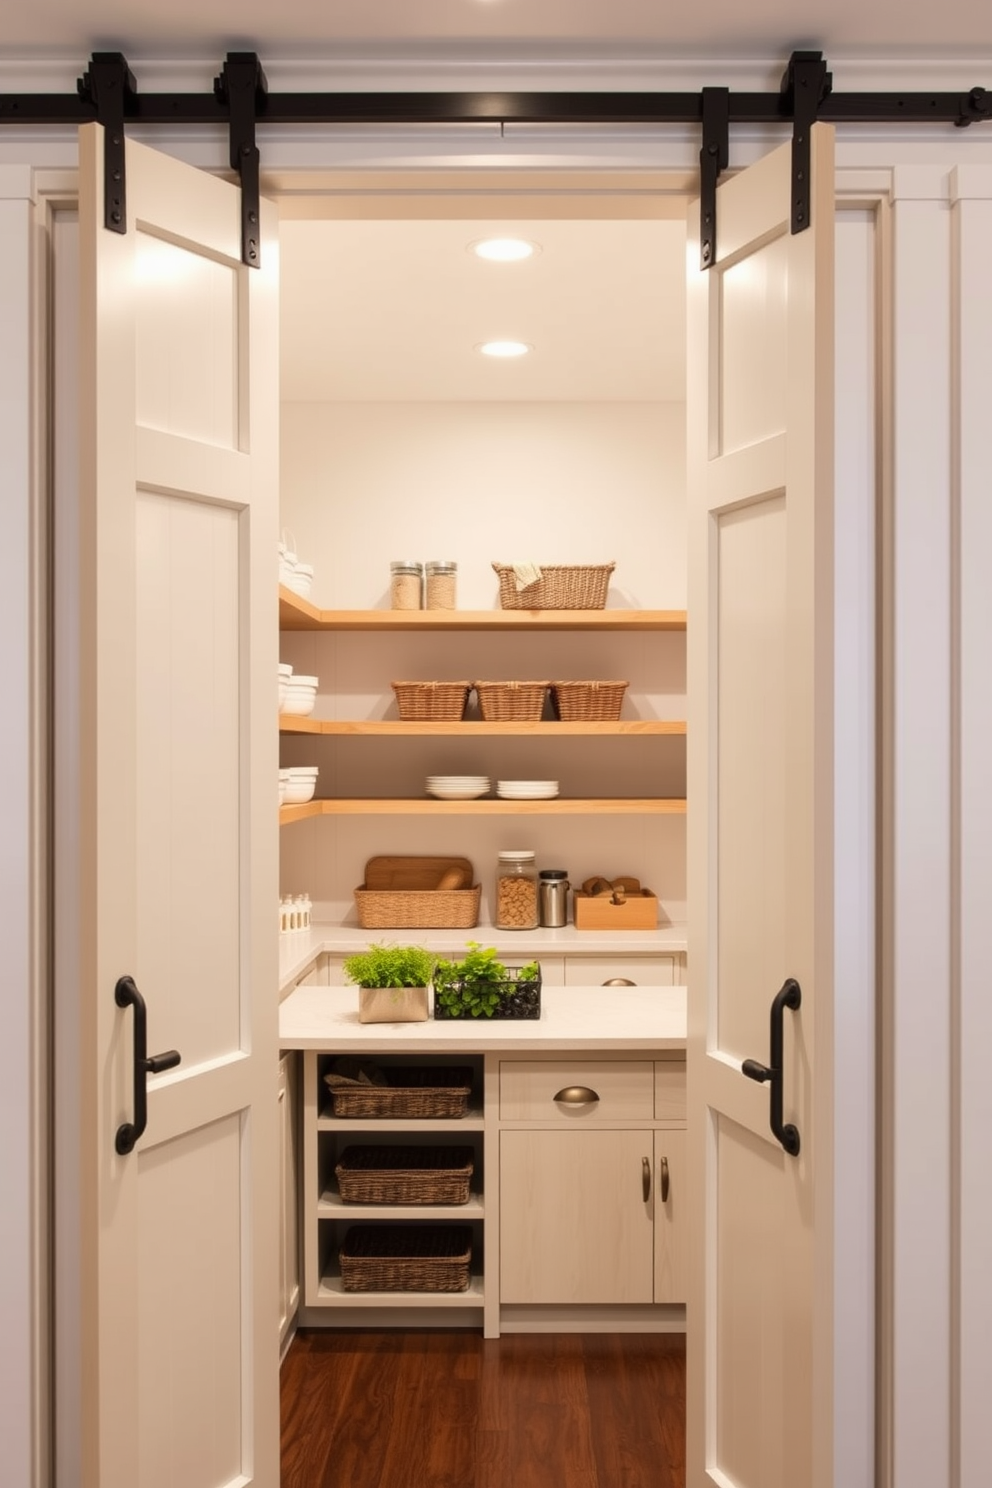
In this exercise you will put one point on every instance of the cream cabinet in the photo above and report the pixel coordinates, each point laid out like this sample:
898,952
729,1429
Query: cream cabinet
592,1205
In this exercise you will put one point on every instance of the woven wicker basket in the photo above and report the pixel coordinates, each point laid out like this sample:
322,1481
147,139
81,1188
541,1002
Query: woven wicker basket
443,701
405,1175
425,1092
414,909
406,1258
560,587
585,702
520,702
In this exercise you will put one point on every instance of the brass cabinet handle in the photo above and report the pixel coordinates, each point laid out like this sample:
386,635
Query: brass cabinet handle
619,982
645,1178
576,1095
664,1180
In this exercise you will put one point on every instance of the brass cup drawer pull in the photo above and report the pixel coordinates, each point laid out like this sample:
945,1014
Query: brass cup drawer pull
576,1095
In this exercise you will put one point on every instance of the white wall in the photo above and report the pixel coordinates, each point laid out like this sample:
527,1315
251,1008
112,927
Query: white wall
363,483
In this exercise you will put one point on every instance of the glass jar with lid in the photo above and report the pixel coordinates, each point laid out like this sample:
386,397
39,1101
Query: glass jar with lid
442,575
516,891
406,584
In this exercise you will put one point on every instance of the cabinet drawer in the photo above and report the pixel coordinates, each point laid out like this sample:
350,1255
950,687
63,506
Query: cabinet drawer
645,971
624,1088
669,1090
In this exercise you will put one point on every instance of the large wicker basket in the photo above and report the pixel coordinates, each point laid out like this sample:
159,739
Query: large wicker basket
405,1175
560,587
411,1094
585,702
423,701
520,702
399,894
406,1258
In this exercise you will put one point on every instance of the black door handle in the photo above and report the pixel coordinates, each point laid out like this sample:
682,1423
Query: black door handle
126,995
788,996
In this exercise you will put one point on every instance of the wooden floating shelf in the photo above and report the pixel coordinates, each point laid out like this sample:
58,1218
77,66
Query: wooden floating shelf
609,806
298,614
344,728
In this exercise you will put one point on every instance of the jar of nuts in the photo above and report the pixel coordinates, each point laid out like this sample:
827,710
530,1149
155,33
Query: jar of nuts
516,892
442,577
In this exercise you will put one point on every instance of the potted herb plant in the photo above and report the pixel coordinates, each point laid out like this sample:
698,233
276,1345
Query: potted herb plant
480,986
392,982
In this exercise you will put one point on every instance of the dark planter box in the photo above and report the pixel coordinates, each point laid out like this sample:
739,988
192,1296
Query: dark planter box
517,1000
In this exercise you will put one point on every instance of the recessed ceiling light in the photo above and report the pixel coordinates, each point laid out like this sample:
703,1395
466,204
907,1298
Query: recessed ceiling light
504,348
504,250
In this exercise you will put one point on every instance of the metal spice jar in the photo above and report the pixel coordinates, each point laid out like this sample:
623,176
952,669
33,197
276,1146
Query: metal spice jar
406,584
516,891
441,579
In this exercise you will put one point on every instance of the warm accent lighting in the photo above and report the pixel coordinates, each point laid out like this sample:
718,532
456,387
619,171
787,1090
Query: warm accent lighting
504,348
504,250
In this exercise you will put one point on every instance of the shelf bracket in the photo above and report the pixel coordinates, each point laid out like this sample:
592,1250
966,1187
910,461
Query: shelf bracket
714,157
108,84
805,85
242,86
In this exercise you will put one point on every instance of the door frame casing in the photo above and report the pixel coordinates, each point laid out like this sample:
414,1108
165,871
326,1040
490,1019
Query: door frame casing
54,186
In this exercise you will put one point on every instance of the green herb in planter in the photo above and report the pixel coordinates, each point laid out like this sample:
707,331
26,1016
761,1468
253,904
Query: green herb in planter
480,986
390,966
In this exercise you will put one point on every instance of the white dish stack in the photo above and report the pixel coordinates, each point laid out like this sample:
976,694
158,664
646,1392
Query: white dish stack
526,790
293,574
297,784
457,787
297,693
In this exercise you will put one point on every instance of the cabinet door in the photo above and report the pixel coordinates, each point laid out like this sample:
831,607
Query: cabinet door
574,1223
669,1217
645,970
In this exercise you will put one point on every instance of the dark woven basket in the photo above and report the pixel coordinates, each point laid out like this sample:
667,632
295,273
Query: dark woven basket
406,1258
405,1175
423,1092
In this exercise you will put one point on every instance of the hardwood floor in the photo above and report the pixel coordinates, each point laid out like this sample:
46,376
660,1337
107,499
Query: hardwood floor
453,1410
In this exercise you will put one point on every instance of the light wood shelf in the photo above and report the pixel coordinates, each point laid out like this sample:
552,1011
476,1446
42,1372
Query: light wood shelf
298,614
331,1291
330,1205
346,728
390,806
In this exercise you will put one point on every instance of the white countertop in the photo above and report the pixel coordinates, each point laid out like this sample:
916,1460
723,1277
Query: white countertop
590,1018
300,947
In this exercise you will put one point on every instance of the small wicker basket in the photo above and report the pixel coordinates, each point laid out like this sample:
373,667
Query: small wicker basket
418,909
405,1175
441,701
424,1092
587,702
560,587
519,702
406,1258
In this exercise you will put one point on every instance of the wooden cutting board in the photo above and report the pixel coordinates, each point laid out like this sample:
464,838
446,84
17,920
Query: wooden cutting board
389,872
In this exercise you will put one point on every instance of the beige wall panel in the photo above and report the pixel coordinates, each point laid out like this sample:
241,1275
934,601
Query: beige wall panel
190,1308
188,786
753,367
186,363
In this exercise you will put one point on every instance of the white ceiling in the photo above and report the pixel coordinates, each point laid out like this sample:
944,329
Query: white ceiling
390,310
722,27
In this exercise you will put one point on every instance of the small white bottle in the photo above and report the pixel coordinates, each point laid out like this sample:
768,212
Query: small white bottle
307,911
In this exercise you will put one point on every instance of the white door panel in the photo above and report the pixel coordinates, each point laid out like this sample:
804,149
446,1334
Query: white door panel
178,637
761,832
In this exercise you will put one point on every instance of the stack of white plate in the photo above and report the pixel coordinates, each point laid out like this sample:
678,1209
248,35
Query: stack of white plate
526,790
458,787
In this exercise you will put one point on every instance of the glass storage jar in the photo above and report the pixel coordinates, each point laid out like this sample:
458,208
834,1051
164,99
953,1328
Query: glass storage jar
442,577
516,892
406,584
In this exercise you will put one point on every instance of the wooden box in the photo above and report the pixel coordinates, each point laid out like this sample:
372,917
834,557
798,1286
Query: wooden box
638,911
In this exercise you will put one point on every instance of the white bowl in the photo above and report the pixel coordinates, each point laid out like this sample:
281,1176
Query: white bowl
299,791
285,669
302,772
299,700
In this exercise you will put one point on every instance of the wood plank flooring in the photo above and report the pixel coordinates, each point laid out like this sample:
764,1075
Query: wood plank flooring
430,1409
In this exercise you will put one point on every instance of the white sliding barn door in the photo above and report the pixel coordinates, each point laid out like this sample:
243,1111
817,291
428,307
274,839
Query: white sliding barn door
178,862
760,1403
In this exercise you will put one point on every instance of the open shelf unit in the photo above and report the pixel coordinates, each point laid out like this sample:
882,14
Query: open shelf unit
298,614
